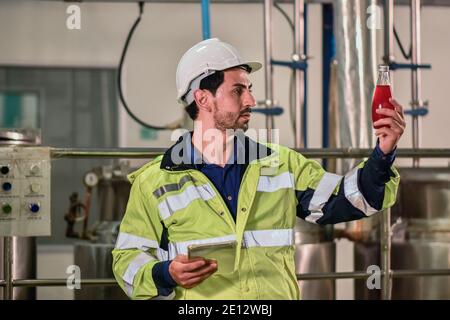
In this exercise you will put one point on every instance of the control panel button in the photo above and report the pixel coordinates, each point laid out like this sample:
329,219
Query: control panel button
35,169
35,187
4,170
6,186
34,207
6,208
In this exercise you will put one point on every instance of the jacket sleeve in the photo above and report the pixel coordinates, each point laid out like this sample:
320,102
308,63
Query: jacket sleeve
327,198
140,255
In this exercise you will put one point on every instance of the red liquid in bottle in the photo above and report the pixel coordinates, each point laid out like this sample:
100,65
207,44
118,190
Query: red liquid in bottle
381,100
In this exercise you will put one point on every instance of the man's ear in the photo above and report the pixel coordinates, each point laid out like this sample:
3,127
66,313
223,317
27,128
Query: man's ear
203,99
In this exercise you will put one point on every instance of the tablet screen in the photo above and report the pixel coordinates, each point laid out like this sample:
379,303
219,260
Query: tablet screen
224,253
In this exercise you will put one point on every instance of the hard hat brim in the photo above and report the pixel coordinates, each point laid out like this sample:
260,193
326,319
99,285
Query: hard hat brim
254,66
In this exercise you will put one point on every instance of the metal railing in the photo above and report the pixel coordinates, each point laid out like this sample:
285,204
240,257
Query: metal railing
148,153
57,153
305,276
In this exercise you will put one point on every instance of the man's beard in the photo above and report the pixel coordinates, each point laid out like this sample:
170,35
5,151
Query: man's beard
228,120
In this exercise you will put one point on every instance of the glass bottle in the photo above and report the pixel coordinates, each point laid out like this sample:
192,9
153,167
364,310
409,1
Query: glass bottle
382,94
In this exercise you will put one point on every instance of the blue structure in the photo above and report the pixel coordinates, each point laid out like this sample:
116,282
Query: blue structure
206,28
328,53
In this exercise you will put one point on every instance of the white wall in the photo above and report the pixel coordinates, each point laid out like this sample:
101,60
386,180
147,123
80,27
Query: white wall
35,33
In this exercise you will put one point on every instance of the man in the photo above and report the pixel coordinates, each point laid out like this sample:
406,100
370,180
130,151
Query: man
244,191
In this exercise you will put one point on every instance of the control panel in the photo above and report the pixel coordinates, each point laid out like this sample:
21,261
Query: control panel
24,191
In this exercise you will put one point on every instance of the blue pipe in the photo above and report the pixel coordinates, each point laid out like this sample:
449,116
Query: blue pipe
274,111
419,112
205,20
411,66
328,52
302,65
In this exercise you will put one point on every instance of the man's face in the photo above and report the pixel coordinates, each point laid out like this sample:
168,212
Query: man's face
233,101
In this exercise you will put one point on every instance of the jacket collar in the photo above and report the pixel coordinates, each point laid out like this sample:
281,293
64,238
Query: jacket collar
181,155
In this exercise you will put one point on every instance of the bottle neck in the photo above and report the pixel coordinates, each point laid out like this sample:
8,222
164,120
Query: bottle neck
383,78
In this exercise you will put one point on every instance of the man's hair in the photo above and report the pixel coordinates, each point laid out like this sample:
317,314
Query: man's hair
210,83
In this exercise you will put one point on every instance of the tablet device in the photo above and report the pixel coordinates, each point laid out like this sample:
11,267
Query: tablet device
222,252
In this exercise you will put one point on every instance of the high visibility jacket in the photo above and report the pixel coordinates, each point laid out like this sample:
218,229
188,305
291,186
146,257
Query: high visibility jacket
172,206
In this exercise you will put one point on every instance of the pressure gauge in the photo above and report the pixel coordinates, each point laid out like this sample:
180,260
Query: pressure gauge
90,179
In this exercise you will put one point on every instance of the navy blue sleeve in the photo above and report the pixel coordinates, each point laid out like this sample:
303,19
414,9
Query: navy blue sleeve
371,180
374,175
390,157
160,271
162,278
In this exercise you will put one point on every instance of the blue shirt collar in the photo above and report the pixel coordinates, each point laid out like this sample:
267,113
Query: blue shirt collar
183,152
196,156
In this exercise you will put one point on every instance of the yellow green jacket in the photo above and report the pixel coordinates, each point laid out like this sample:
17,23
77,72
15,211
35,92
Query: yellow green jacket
173,205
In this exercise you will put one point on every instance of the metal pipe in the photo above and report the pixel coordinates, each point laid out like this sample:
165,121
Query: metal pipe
389,57
364,275
385,243
299,55
147,153
336,275
268,62
365,152
206,29
420,273
144,153
388,32
415,76
7,267
62,282
307,276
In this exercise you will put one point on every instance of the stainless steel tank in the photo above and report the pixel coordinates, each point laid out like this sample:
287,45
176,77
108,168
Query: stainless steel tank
94,257
23,248
95,262
421,255
421,241
314,254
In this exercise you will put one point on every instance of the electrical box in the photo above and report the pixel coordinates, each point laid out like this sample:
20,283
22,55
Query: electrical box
24,191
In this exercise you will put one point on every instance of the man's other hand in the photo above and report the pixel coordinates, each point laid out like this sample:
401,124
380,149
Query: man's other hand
189,273
395,126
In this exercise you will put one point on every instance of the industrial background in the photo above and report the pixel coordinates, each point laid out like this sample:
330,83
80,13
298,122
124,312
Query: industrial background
59,90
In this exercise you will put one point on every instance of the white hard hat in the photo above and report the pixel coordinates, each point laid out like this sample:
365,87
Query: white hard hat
203,59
